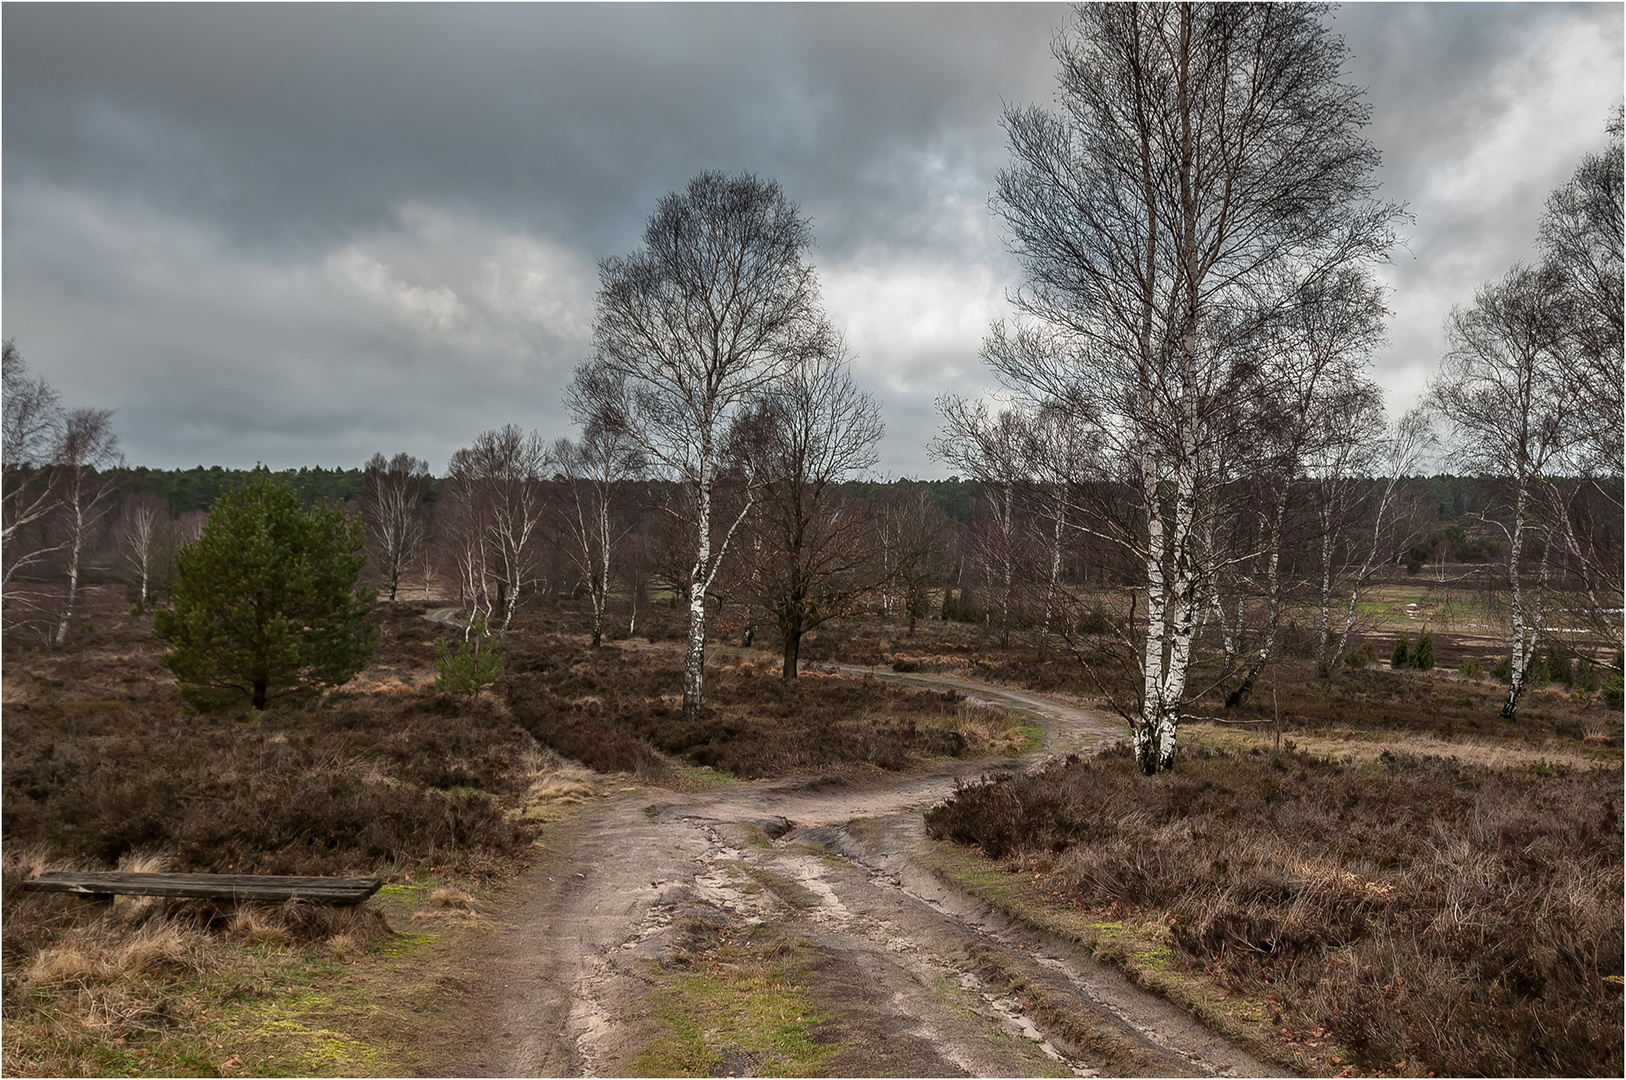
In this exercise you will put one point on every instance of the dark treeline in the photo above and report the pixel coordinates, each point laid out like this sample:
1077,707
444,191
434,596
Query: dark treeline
185,490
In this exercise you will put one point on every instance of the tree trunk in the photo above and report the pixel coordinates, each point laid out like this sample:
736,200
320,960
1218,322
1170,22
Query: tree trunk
1050,587
1521,647
260,688
73,568
1274,621
793,649
695,659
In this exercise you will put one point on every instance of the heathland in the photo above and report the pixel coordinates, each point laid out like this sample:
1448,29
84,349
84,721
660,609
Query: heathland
1368,874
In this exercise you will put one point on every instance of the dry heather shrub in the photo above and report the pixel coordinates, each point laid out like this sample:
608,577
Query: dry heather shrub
1461,919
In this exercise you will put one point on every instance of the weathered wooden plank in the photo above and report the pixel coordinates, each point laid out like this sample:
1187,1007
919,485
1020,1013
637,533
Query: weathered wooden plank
325,890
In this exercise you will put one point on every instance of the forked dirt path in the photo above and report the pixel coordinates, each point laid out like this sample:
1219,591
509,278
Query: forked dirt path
562,986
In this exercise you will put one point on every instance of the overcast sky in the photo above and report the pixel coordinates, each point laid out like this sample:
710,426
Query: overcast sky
302,234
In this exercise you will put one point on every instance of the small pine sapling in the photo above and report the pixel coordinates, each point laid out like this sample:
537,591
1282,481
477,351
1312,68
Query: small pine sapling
1422,657
1401,657
475,666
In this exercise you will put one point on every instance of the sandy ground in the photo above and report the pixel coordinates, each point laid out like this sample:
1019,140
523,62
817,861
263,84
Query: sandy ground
562,986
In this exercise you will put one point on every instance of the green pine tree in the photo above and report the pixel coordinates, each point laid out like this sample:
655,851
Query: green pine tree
1422,658
265,603
1401,657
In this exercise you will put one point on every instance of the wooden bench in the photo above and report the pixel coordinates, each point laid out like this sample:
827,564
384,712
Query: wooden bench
103,885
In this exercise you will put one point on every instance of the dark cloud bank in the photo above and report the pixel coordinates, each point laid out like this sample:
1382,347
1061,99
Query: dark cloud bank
300,234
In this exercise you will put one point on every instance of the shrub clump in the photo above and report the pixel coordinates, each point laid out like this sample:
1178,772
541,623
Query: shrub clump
1463,920
619,712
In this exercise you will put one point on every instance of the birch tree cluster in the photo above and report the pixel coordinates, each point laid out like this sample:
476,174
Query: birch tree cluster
1531,394
55,501
1196,225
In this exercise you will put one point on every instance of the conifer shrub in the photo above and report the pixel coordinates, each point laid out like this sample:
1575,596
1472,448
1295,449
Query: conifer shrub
1422,657
266,604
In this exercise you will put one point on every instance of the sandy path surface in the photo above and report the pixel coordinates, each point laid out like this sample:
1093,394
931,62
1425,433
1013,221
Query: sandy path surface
903,960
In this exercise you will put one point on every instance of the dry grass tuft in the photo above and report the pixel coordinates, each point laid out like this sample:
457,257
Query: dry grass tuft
453,897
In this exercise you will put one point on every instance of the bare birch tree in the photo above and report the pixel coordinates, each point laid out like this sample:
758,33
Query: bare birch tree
501,500
1207,163
990,449
392,514
32,431
144,533
1503,391
717,305
914,536
1361,524
1315,360
1059,451
87,449
1582,243
596,472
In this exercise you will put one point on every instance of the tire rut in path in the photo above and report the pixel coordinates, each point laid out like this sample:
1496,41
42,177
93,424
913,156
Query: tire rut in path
915,975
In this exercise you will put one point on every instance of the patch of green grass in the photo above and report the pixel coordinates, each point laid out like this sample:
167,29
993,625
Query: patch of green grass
747,1005
701,777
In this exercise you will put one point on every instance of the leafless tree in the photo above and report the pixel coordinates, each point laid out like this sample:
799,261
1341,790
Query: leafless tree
1313,385
717,305
464,544
1058,450
189,526
87,449
596,471
1581,240
392,513
811,544
1503,391
990,449
1360,520
144,534
32,431
500,505
1206,166
914,543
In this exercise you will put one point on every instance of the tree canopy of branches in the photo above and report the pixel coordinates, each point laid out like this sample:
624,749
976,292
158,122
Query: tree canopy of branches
1206,167
991,449
33,420
913,548
265,602
717,304
1505,396
811,544
596,471
391,510
497,503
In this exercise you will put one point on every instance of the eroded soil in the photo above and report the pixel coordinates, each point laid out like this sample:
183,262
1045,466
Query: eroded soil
907,976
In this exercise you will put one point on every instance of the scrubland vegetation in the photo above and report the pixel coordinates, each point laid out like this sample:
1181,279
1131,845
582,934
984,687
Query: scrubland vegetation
105,767
1426,915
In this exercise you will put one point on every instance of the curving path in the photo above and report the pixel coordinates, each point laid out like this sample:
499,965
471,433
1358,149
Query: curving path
915,974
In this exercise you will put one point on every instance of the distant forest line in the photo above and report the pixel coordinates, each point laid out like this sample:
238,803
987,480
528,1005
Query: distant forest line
186,490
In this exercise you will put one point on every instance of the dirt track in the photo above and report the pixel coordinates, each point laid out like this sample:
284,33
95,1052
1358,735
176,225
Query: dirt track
914,975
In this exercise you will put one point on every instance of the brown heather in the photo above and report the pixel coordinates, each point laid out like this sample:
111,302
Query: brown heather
1429,915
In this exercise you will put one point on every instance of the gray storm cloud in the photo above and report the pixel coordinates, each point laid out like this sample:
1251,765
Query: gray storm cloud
300,234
